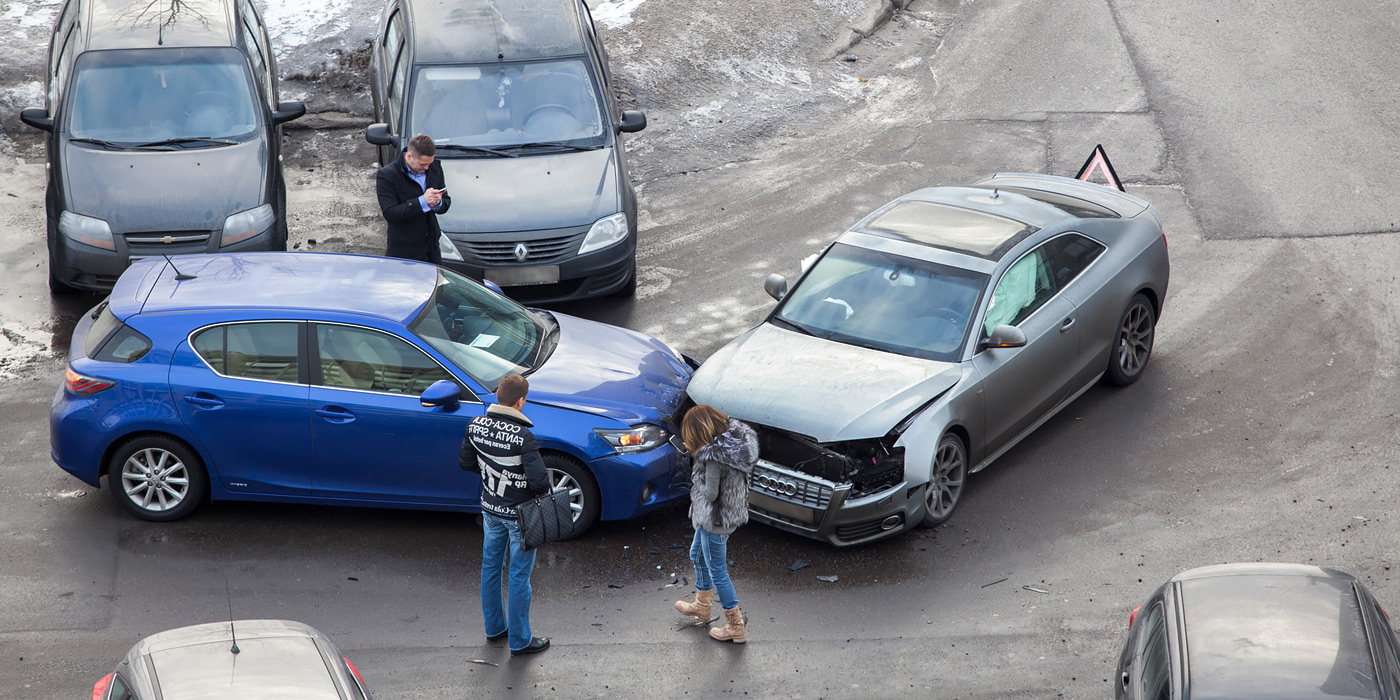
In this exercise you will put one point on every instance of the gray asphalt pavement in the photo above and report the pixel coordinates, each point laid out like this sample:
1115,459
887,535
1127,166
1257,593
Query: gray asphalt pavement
1263,430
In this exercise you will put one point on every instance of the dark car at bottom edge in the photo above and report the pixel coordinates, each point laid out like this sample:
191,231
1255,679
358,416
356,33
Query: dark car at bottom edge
1259,632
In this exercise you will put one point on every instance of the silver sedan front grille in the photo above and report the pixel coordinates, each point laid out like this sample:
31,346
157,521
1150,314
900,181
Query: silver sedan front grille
792,486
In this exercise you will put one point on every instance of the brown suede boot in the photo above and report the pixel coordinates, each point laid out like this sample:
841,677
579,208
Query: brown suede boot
733,629
700,608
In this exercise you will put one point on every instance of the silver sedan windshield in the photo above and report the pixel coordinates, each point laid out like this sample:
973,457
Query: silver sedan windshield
886,302
484,333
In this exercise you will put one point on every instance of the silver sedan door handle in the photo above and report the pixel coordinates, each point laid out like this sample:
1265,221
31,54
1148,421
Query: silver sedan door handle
1067,324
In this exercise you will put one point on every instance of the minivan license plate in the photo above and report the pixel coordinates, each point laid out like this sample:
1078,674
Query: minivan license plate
517,276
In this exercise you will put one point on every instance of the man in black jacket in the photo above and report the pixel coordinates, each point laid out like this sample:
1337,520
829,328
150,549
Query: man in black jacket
411,194
500,447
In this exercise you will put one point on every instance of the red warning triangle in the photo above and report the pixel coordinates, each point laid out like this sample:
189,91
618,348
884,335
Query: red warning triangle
1098,160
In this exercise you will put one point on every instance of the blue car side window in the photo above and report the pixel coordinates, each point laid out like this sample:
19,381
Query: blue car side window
266,351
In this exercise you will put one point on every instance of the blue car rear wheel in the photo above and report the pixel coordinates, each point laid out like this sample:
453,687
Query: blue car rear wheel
157,478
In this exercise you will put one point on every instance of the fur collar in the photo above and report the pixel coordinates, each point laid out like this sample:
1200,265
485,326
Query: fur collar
507,411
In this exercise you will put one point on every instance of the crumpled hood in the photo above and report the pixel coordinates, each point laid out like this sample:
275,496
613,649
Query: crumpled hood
530,192
610,371
820,388
180,190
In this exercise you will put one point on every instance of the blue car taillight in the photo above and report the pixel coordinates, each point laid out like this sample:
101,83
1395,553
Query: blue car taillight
83,385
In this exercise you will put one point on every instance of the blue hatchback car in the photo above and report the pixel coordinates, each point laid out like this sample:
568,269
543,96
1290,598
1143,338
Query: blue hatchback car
349,380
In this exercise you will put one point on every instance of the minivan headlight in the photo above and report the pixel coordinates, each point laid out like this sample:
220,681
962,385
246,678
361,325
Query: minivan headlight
447,249
605,232
246,224
638,438
86,229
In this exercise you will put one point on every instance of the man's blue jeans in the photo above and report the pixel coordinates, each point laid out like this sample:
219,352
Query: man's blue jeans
501,534
712,566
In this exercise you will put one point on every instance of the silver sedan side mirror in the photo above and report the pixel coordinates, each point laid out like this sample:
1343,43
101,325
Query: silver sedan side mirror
776,286
1005,336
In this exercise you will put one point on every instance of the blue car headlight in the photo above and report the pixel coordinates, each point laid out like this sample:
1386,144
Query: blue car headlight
638,438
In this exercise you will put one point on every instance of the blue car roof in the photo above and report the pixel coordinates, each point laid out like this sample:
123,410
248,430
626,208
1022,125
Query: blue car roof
384,287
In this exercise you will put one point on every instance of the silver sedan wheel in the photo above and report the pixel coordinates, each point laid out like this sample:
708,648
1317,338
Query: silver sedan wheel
1135,339
155,479
946,487
561,480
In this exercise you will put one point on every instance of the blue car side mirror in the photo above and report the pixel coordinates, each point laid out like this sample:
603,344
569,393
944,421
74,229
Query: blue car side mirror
442,393
494,287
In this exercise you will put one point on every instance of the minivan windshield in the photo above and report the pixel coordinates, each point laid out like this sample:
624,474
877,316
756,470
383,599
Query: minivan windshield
504,105
879,300
484,333
162,96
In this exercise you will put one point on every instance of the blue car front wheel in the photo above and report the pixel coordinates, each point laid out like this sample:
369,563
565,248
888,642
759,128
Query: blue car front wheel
566,473
157,478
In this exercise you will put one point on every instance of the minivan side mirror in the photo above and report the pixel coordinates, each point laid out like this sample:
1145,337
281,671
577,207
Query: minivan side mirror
776,286
632,122
1005,336
442,393
378,134
37,117
287,111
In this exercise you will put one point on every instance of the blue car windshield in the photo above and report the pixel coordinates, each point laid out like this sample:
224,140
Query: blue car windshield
883,301
484,333
147,96
502,105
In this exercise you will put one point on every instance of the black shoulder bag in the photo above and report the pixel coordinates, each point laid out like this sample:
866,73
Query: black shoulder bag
546,518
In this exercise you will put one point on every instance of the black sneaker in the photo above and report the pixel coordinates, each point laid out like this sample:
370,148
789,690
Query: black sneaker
537,645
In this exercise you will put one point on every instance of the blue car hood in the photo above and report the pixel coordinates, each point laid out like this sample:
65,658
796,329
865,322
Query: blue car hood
611,371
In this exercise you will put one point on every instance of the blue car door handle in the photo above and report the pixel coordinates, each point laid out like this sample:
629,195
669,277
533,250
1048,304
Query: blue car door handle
335,414
1067,324
203,401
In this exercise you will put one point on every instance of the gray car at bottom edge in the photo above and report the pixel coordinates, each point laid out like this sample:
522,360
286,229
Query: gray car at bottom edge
929,339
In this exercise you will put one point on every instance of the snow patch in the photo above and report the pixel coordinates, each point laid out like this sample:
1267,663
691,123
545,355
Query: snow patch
30,94
295,23
20,345
615,13
741,70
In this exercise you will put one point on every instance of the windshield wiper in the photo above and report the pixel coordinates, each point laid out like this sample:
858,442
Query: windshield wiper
475,149
794,326
99,142
187,139
553,144
551,333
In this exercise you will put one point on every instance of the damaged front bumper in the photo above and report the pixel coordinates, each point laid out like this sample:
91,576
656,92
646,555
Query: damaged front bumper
871,499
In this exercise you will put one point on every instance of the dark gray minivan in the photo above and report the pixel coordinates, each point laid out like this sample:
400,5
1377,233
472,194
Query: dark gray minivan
164,135
517,96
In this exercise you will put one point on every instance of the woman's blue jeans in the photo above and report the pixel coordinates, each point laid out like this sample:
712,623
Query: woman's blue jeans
502,535
712,566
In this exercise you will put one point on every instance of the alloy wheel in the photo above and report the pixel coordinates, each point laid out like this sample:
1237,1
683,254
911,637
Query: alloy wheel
155,479
1135,339
949,472
561,480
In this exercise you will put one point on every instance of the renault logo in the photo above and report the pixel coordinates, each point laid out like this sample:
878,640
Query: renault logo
521,252
775,484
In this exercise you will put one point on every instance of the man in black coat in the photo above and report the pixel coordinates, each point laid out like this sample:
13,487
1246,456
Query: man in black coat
411,194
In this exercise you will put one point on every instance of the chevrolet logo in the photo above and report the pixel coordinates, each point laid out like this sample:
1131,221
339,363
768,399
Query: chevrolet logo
167,239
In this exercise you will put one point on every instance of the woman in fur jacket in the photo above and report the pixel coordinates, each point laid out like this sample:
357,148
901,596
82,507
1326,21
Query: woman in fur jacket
723,452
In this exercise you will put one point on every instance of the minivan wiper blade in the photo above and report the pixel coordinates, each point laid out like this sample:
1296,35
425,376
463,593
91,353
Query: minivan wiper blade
793,326
474,149
553,144
187,139
99,142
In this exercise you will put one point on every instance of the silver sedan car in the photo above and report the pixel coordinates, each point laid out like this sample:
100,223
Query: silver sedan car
239,659
931,338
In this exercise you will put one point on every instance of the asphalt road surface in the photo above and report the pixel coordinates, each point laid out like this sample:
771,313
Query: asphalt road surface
1264,429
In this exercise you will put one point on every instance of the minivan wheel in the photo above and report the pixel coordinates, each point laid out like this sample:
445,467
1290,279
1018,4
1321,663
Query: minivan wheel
566,473
56,286
946,487
1132,342
157,478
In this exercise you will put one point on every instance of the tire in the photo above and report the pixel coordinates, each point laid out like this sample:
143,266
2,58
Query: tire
945,489
280,242
1132,342
628,290
171,464
565,472
56,287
